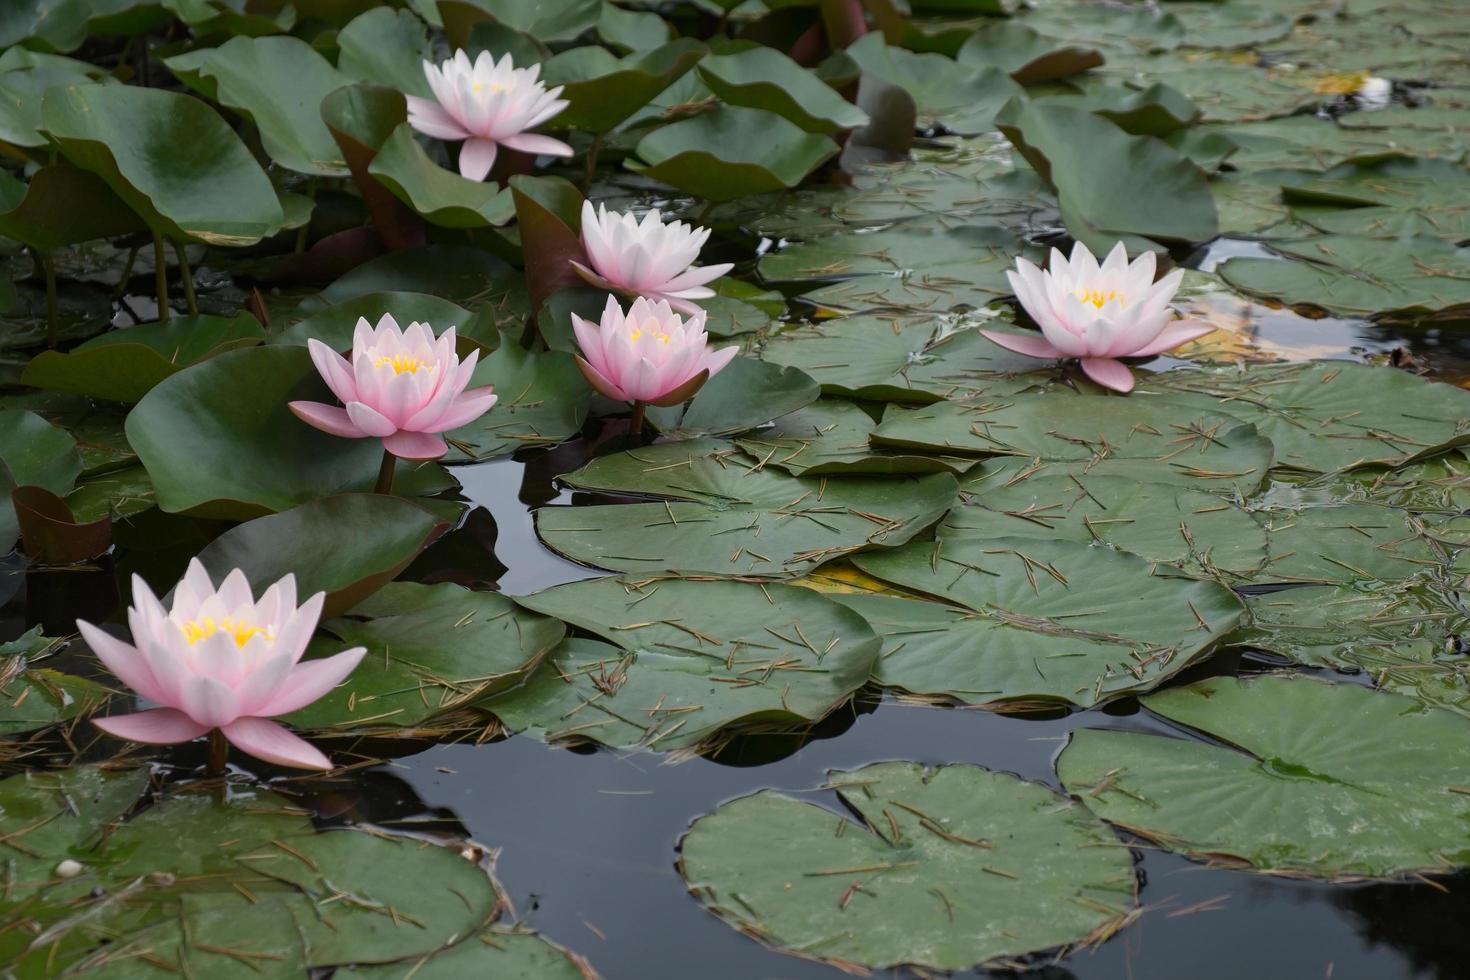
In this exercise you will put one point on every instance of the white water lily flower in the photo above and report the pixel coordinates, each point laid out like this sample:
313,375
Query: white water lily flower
488,104
1375,93
648,258
1098,313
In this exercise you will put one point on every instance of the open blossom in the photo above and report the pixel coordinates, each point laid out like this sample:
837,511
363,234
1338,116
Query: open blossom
647,258
651,355
219,659
488,104
1098,313
401,386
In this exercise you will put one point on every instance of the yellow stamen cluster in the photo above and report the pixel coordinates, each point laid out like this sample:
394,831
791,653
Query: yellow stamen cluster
202,629
1097,297
401,363
652,326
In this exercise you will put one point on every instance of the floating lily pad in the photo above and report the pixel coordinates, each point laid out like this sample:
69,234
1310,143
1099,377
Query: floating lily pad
745,394
471,277
1386,199
729,516
124,365
430,648
386,47
1194,529
1157,440
348,546
1351,543
35,697
604,90
130,137
62,205
334,325
690,658
830,438
1375,798
1028,56
962,98
731,152
895,359
506,953
1333,415
950,867
543,399
969,257
279,83
1060,621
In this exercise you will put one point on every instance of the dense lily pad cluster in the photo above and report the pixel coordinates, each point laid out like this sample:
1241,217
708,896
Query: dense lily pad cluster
811,245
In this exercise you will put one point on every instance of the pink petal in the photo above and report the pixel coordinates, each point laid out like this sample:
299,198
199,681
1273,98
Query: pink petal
125,662
1108,373
328,418
465,408
159,726
415,445
600,381
593,278
715,361
694,277
369,420
1032,345
683,305
1176,333
476,157
537,144
429,118
333,368
311,680
268,741
210,702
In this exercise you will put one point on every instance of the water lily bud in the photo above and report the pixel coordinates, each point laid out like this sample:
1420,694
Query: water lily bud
647,258
488,104
218,658
402,386
649,355
1098,313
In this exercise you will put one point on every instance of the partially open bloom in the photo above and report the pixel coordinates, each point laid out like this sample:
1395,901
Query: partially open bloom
487,104
647,258
220,659
650,356
1374,93
1098,313
401,386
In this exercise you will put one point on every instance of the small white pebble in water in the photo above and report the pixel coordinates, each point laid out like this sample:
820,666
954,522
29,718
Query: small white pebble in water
69,868
1375,92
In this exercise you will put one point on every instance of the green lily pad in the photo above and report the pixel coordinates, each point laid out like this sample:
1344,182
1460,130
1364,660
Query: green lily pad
130,137
430,648
334,325
1194,529
1333,415
764,78
384,46
893,359
21,91
505,953
1375,798
688,659
830,438
543,399
33,452
1158,110
632,30
960,97
729,516
62,205
1027,56
124,365
1096,169
1061,622
605,90
37,697
1386,199
746,393
115,494
279,83
348,546
1158,440
1346,544
219,441
951,866
470,277
731,152
441,196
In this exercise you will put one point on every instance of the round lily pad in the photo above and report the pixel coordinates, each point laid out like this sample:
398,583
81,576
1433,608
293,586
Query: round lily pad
1346,544
689,659
951,866
829,438
729,516
1051,620
1380,796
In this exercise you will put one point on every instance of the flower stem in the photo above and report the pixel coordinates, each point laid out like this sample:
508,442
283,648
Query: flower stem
592,154
48,272
160,276
385,474
635,424
219,752
186,275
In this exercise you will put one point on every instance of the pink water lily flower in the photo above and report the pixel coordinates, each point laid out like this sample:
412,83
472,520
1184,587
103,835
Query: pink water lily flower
402,386
650,356
219,659
647,258
1098,313
488,104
